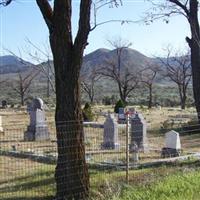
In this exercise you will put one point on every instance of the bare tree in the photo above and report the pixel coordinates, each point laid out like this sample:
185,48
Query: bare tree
22,85
44,64
188,9
148,77
178,70
67,56
88,83
24,80
120,72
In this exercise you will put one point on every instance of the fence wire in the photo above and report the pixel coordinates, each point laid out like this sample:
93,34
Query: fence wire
27,168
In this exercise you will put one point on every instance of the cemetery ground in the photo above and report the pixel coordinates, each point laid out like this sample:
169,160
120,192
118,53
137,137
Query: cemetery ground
178,181
23,178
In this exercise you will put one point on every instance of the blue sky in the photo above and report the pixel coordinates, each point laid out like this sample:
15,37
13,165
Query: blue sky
22,19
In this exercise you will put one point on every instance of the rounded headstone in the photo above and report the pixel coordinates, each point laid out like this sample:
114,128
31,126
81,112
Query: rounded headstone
38,103
172,140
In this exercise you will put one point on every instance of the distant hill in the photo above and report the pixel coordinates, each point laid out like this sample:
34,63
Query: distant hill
132,59
129,57
13,64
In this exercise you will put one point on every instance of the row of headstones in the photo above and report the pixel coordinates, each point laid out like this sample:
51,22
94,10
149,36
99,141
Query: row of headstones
139,136
137,130
38,131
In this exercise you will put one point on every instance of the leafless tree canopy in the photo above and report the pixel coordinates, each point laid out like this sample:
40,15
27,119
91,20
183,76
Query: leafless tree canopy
178,70
22,85
120,72
190,10
44,61
148,77
88,83
167,8
24,79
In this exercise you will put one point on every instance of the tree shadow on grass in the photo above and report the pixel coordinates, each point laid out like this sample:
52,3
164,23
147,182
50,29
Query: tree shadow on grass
29,198
47,182
24,178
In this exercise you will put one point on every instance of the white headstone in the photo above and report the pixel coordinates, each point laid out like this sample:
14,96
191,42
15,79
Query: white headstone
172,140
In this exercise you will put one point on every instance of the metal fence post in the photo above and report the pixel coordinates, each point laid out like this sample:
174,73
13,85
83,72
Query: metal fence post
127,149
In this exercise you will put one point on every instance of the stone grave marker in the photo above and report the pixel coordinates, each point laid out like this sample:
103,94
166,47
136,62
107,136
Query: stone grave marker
37,129
138,132
4,104
172,144
110,137
1,128
121,115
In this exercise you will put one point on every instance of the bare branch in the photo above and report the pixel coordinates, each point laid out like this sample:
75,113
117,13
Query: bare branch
178,70
120,72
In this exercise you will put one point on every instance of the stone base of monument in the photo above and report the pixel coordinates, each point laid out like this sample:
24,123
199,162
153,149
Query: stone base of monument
144,148
169,152
37,133
110,145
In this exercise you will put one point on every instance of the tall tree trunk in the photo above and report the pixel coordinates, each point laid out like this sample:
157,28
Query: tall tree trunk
22,99
183,102
195,62
150,97
181,95
72,179
184,97
194,44
91,96
48,79
122,93
71,171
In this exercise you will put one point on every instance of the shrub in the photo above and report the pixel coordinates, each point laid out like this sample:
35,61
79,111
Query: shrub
119,104
88,115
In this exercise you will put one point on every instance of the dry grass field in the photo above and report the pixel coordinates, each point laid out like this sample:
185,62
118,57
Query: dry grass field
15,122
24,178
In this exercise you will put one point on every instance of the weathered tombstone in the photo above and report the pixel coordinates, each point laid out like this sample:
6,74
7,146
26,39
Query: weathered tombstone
138,132
37,130
172,145
1,128
121,116
110,137
4,104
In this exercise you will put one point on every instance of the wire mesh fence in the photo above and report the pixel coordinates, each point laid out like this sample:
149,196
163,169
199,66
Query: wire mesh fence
109,154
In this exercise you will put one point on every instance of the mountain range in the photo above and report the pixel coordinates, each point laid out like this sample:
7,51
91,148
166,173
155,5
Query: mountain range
130,58
13,64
